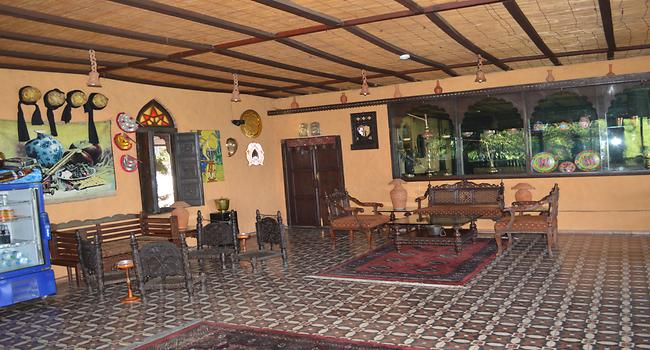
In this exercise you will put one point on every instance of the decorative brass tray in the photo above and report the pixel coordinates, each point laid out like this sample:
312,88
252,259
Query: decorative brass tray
252,126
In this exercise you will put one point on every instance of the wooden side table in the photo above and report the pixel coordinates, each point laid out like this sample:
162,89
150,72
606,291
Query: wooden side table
242,237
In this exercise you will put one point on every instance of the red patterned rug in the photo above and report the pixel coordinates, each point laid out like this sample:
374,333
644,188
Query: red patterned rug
213,335
420,266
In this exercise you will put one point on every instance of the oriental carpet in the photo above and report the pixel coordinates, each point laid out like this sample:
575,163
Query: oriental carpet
426,266
214,335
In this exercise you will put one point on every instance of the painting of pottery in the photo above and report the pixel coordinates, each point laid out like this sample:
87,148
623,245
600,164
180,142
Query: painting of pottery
73,168
211,155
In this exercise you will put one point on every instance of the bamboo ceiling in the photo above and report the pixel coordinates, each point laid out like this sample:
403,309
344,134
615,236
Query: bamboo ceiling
282,47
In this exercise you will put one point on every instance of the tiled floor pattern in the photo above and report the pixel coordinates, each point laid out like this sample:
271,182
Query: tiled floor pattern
595,293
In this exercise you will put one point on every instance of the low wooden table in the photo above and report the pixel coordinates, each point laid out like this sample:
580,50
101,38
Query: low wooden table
392,211
430,230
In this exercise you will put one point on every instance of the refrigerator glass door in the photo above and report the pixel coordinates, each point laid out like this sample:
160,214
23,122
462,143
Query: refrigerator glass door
20,237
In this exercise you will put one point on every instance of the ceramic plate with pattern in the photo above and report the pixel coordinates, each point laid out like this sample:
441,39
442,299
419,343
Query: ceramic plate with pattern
543,162
588,160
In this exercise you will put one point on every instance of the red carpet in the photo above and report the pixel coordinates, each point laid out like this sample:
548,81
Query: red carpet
427,266
213,335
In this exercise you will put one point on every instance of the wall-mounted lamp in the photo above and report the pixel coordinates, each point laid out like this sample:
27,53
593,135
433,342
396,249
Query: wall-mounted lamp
238,122
93,75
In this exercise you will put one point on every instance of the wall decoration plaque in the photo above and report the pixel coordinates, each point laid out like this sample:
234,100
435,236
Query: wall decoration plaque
587,160
231,146
211,155
364,130
255,154
543,162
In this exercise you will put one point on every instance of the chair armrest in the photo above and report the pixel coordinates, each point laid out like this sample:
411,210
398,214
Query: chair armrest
352,210
526,206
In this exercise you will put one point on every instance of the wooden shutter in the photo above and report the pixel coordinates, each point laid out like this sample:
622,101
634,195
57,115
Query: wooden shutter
147,171
189,185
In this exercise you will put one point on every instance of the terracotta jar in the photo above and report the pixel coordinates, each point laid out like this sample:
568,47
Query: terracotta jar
398,194
181,214
523,194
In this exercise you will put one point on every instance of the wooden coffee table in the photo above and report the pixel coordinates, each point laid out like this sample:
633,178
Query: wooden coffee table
444,230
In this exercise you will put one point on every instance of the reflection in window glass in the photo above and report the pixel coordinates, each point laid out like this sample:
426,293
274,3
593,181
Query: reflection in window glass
628,130
164,173
493,139
426,143
564,134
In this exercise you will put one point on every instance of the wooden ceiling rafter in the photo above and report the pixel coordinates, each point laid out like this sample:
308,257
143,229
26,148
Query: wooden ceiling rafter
453,33
254,32
301,11
515,11
53,58
608,26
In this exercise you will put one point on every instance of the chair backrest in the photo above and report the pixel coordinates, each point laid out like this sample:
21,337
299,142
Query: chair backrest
217,234
90,253
159,259
335,201
554,204
269,230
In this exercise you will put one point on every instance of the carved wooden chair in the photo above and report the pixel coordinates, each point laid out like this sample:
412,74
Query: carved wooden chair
269,232
344,217
160,265
92,264
216,239
544,222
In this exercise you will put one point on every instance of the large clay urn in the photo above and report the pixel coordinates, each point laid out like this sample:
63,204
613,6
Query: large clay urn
181,213
523,192
398,194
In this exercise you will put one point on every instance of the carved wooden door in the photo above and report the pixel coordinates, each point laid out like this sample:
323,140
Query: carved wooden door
312,167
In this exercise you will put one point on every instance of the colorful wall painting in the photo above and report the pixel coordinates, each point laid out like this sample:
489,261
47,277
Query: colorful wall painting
211,156
79,170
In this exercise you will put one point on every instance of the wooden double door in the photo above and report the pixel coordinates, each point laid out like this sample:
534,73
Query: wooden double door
312,167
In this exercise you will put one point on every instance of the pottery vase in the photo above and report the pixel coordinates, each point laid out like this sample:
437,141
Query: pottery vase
523,192
181,214
45,149
223,204
398,194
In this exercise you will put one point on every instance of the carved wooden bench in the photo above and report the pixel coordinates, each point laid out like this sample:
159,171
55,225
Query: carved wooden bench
463,198
114,233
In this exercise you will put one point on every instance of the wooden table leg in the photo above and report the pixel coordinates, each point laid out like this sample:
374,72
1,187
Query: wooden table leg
457,240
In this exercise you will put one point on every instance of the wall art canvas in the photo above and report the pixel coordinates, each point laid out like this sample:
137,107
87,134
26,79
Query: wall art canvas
211,156
78,170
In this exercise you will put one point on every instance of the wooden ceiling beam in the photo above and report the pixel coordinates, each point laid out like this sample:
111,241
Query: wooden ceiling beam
60,59
398,51
98,28
519,16
254,32
301,11
608,27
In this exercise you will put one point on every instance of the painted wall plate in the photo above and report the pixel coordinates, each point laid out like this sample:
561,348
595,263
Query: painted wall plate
129,163
126,123
252,126
255,154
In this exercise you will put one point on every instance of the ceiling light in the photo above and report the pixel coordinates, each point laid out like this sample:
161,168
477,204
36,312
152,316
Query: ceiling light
480,75
397,93
343,98
404,56
294,103
235,89
93,75
365,90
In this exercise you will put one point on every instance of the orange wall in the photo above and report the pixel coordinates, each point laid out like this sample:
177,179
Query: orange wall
603,203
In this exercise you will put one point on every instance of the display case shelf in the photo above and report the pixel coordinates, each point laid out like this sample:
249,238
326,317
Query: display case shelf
15,218
17,243
10,203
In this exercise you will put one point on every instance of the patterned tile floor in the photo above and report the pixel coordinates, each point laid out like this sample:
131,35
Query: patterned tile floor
595,293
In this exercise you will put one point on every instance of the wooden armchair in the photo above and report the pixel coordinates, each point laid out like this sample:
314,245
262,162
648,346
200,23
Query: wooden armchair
545,222
344,217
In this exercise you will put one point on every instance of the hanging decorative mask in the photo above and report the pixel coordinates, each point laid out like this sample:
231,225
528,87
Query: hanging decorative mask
255,154
123,141
28,95
129,163
96,101
74,99
231,146
53,99
126,123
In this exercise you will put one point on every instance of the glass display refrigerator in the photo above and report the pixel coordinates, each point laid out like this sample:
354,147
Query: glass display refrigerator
25,271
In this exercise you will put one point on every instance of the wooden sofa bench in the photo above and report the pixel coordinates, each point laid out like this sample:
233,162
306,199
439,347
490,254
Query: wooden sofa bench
463,198
114,233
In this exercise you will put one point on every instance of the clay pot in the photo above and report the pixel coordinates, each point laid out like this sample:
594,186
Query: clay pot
523,194
181,214
398,194
223,204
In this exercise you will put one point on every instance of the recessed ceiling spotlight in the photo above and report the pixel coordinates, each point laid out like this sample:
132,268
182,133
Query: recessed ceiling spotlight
404,56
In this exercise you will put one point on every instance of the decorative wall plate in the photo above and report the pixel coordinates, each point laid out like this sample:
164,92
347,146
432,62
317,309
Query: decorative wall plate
543,162
123,141
255,154
129,163
566,167
252,126
588,160
126,123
